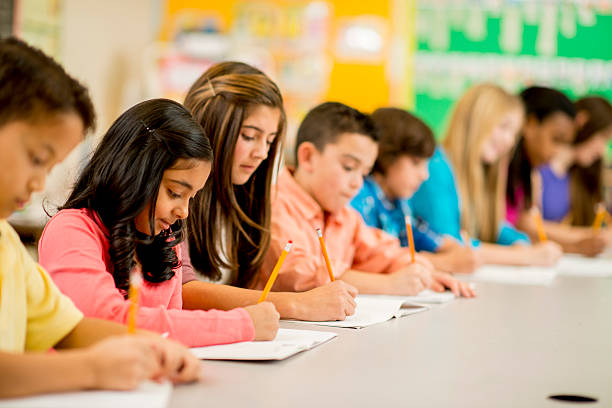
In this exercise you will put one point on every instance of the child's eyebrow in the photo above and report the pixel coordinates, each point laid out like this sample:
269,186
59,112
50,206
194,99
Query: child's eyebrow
49,148
350,156
182,183
257,129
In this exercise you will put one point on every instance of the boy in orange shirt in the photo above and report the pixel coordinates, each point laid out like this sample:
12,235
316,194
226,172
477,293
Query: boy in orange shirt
336,147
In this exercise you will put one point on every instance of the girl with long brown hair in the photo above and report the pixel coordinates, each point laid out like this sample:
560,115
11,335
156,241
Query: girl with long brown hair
241,111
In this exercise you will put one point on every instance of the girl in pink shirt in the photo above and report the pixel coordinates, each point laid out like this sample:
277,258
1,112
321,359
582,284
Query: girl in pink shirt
126,212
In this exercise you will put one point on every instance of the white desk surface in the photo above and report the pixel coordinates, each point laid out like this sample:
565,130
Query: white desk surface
513,346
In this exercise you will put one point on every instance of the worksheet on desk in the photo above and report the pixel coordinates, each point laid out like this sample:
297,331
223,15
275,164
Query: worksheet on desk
577,265
517,275
149,394
287,343
373,309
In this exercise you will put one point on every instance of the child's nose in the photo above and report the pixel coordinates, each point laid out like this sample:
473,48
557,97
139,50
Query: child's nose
261,151
37,182
182,212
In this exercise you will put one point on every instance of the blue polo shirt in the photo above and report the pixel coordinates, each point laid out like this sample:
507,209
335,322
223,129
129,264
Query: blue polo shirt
380,212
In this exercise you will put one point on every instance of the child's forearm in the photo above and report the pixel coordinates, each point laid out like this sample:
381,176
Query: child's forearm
519,255
205,296
33,373
564,235
440,261
90,331
368,283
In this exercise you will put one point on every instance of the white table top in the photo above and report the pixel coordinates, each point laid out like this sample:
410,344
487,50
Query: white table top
513,346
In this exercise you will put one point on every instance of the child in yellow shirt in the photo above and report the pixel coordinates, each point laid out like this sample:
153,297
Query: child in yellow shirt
44,114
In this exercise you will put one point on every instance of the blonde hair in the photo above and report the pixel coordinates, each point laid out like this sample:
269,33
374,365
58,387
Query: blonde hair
481,187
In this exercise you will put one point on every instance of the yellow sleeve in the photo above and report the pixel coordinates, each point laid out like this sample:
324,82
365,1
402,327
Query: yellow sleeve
50,314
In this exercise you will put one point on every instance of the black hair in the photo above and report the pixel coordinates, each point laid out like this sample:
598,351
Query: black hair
540,103
125,174
33,85
327,121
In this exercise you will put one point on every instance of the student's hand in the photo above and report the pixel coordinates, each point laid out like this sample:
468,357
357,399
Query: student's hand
333,301
122,362
465,260
459,259
177,363
426,263
409,281
442,281
590,246
545,253
606,234
265,320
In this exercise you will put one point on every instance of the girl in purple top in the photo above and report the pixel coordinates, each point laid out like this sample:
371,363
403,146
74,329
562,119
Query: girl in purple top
548,131
572,184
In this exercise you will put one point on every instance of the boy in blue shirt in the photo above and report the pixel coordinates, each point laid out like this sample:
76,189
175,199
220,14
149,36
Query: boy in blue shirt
405,148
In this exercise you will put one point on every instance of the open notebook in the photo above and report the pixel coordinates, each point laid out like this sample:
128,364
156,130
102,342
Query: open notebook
287,343
518,275
149,394
373,309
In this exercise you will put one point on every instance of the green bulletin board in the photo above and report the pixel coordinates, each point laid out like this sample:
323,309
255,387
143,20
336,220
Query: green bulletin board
563,44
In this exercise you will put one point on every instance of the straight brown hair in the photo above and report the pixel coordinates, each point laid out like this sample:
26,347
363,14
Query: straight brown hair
220,100
400,134
586,183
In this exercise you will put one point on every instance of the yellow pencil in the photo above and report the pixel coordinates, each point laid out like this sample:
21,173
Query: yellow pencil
329,268
410,237
599,217
274,274
537,217
133,295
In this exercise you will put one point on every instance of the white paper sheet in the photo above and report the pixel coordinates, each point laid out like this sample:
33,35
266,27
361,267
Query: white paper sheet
518,275
576,265
149,394
372,309
428,296
287,343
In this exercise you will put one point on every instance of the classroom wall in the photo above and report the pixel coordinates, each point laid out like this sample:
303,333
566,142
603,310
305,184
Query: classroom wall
428,52
101,44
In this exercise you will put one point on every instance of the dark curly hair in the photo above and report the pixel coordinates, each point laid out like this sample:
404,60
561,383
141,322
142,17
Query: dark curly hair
124,175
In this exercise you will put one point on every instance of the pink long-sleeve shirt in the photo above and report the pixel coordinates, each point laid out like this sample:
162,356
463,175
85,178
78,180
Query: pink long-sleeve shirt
350,243
74,249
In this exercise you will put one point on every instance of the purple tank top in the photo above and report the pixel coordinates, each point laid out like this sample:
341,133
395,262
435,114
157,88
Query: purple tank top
555,194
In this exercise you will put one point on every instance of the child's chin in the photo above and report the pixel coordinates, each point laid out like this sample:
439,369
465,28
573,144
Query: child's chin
334,208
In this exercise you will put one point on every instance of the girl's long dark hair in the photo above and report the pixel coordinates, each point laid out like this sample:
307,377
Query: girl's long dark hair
586,183
124,175
221,100
540,103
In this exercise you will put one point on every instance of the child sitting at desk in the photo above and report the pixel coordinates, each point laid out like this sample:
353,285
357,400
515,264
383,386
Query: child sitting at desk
405,147
572,183
336,147
45,113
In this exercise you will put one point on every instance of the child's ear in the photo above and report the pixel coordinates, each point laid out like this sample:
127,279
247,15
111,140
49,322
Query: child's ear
305,156
582,117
